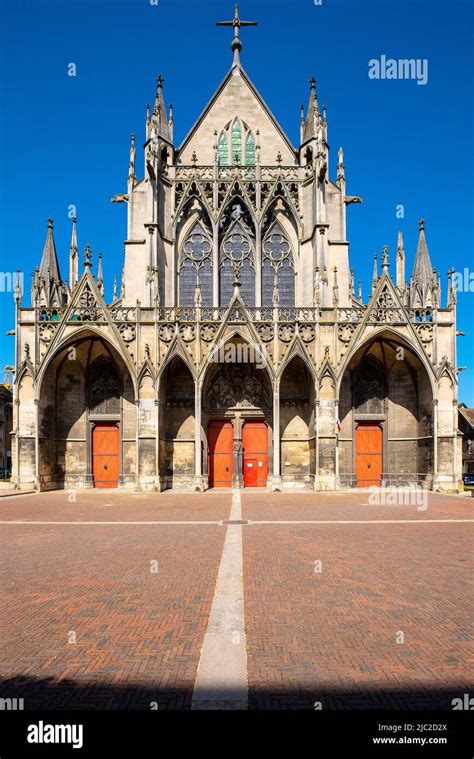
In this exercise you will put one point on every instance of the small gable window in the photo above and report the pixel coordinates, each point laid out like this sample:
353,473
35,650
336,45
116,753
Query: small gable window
250,151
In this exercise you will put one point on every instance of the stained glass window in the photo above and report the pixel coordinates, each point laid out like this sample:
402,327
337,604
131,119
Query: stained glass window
236,143
223,150
196,261
237,258
250,151
277,259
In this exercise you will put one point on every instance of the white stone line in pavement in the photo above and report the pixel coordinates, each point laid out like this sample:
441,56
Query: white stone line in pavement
221,679
359,521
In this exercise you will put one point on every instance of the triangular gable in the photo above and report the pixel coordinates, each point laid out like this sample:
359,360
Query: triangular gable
87,299
227,93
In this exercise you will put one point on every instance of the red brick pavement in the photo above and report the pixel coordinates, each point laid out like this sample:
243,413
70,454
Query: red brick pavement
139,634
348,505
117,505
326,637
330,637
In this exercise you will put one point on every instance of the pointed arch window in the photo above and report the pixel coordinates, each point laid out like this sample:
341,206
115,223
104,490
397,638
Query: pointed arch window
105,387
236,261
250,157
369,388
278,268
223,150
196,266
236,143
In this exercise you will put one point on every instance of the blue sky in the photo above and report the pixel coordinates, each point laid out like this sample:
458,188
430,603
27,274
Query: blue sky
65,140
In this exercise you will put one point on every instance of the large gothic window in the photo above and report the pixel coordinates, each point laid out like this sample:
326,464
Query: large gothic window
278,269
369,388
104,387
196,266
236,255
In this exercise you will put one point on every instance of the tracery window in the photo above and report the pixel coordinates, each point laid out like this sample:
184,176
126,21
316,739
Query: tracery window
196,265
236,262
278,268
369,389
104,387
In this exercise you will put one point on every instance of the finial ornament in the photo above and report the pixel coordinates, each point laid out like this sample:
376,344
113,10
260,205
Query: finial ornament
236,23
87,257
422,225
159,82
50,223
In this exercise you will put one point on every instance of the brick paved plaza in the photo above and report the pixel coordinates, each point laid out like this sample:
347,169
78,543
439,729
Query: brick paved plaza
111,600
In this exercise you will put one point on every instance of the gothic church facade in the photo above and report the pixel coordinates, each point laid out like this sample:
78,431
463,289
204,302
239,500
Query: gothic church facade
238,351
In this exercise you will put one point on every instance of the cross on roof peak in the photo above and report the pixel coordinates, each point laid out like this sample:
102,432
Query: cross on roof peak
236,23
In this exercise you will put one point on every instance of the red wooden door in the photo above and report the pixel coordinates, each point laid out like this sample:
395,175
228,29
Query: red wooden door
255,463
220,446
369,448
105,455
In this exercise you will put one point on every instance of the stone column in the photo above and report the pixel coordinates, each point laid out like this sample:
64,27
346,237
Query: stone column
276,480
237,476
198,479
215,266
435,443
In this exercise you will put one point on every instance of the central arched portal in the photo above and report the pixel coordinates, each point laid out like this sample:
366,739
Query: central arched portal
237,418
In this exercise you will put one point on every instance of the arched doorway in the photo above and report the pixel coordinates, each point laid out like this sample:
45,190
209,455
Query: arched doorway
177,426
297,424
237,417
386,417
86,419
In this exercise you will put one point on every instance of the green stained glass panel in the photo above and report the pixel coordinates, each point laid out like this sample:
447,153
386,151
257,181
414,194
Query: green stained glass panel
223,151
236,143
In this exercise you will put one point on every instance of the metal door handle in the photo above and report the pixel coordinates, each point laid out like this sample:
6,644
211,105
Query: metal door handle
369,466
106,467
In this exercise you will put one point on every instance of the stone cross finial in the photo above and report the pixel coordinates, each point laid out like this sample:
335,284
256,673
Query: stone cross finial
236,23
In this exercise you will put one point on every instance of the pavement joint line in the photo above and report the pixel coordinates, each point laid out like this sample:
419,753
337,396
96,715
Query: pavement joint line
240,522
222,678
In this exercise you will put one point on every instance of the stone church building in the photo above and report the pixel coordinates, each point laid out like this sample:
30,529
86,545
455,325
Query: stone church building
237,349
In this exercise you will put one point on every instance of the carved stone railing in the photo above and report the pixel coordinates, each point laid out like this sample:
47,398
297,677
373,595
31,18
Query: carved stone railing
244,173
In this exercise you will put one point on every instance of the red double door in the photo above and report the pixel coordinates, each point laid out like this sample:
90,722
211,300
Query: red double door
221,459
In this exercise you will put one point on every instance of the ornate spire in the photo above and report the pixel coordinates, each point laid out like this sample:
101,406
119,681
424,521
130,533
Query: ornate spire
50,288
131,163
114,296
400,262
312,116
422,274
341,174
236,23
375,275
159,117
100,275
73,257
385,263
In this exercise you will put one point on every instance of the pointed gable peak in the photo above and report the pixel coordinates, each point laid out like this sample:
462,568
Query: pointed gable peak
422,269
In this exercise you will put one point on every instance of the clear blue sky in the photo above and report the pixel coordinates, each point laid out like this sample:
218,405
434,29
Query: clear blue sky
65,140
